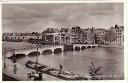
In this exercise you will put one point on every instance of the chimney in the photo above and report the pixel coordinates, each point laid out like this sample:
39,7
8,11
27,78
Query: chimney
116,26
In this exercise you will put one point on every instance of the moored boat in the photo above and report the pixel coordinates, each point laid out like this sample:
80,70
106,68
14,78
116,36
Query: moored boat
65,75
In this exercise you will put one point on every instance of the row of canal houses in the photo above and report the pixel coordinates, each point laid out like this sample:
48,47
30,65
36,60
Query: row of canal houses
55,36
74,35
119,32
18,37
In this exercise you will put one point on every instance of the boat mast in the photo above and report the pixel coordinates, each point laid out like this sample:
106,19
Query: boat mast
37,48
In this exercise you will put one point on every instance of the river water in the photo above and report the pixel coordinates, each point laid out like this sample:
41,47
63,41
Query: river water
110,59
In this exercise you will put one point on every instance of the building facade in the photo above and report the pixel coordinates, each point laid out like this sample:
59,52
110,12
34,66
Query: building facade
99,36
119,32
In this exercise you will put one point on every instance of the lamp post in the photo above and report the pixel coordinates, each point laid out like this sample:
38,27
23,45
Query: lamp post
37,48
4,58
15,67
37,53
14,61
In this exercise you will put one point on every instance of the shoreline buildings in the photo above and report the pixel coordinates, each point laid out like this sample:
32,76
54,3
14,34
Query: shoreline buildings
119,33
68,36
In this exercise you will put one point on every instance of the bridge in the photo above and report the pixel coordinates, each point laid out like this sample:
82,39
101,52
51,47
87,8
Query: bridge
33,48
84,46
46,48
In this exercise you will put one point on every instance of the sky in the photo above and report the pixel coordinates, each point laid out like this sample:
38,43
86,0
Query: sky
37,17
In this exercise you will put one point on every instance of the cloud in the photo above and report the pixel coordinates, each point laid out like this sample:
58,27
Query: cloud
38,17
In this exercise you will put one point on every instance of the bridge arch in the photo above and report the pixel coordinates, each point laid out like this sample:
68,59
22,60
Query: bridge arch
83,47
77,48
47,51
58,50
93,46
17,56
88,46
34,53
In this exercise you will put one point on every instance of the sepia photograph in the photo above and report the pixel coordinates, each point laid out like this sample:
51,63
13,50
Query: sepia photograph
62,41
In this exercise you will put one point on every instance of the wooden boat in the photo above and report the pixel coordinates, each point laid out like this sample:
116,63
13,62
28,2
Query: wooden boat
65,75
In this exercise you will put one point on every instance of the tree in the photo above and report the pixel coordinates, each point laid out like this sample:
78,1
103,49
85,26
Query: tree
110,36
95,72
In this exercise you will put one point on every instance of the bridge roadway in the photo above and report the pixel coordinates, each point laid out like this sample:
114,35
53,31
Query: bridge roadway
33,48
